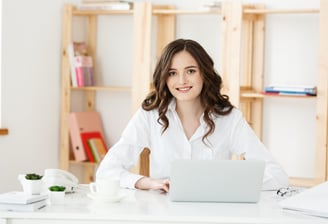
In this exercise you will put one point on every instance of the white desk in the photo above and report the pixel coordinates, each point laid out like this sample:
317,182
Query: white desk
154,207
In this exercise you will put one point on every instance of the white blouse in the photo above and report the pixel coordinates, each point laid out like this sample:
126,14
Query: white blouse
232,135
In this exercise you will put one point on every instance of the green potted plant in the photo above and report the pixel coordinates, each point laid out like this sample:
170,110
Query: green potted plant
56,194
31,182
33,176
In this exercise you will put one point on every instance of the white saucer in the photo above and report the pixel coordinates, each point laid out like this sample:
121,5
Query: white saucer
107,198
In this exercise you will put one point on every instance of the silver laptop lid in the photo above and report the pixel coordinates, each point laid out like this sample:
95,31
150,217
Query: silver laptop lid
216,180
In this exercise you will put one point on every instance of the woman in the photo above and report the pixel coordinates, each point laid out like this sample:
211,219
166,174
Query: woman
185,117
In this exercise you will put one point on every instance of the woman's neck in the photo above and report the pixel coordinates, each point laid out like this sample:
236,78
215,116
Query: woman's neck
189,109
189,114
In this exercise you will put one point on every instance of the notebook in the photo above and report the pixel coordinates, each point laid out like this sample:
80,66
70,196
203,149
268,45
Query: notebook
312,201
34,206
19,197
216,180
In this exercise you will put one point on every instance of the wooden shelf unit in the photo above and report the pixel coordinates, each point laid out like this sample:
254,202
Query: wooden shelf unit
246,91
70,12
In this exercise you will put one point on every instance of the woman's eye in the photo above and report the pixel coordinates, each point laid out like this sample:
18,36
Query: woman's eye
172,73
191,71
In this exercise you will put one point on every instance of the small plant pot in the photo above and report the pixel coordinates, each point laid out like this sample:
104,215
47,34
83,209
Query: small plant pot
32,183
32,186
56,197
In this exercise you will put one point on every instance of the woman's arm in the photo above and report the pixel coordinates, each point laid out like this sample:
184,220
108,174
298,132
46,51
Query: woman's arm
245,141
123,156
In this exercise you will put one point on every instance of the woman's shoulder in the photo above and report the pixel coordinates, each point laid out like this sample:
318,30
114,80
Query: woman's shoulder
235,113
146,113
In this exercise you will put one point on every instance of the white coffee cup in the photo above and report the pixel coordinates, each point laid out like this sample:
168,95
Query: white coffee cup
105,186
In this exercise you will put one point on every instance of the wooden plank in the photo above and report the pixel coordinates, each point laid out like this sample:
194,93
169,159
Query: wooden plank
230,49
88,174
65,85
92,47
322,96
166,31
246,63
258,70
141,53
4,131
141,77
247,50
144,162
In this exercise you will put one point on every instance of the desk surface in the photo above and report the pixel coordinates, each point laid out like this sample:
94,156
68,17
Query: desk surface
154,207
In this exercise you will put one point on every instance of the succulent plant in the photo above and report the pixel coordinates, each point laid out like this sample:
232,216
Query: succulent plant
33,176
57,188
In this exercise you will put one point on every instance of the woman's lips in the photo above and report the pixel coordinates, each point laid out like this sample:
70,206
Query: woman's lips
183,89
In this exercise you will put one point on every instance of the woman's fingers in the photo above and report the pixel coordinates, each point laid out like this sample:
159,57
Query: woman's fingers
146,183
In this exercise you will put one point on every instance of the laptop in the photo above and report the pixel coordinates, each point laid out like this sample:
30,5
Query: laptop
216,180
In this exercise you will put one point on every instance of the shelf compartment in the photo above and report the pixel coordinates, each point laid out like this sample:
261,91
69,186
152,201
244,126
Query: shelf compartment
77,12
86,163
104,88
185,12
281,11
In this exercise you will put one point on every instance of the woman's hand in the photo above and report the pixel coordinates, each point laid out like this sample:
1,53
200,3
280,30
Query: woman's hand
147,183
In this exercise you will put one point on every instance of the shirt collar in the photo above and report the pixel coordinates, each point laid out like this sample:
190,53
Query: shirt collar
172,106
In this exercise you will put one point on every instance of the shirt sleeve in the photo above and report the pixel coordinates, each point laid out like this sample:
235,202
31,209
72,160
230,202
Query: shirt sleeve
246,142
123,156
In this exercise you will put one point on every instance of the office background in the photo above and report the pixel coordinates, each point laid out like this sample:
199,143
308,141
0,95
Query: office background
31,66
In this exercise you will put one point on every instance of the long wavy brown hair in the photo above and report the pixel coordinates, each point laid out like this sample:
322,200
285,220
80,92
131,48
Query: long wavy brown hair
210,97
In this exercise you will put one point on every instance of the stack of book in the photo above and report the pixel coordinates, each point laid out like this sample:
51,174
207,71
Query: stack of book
87,136
21,202
105,5
82,70
294,90
214,6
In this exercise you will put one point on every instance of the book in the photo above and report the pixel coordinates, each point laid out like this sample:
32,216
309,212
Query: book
70,52
98,148
30,207
286,93
79,122
86,136
80,63
84,70
19,197
312,201
94,151
291,89
117,5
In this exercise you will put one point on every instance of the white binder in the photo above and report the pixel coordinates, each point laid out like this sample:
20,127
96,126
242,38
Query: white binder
312,201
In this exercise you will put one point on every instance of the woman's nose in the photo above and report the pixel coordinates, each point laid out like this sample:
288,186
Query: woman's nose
182,78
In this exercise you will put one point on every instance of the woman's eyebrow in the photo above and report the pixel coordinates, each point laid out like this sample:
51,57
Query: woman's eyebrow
187,67
192,66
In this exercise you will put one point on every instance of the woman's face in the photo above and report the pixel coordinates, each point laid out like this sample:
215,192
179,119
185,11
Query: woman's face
184,82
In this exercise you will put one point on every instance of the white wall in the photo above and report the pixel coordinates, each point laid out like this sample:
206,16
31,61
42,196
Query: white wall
31,60
0,62
30,88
